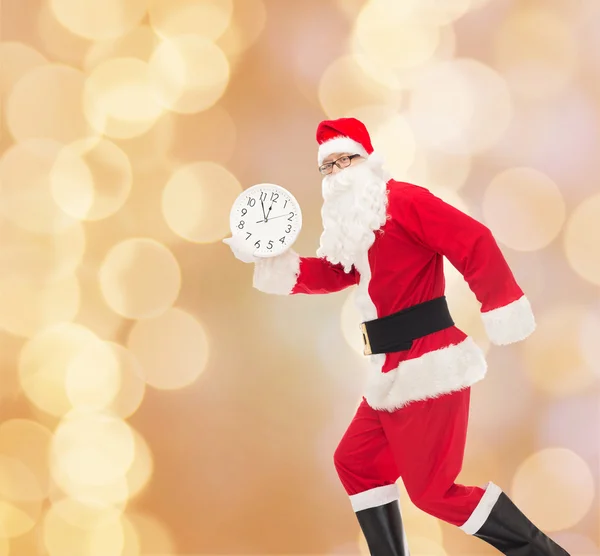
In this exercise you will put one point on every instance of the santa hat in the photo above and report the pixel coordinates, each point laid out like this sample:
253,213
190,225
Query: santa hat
344,135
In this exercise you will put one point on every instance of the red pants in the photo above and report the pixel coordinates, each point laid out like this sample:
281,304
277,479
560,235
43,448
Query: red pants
423,443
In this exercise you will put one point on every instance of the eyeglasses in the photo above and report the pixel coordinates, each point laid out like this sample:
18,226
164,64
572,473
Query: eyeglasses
342,162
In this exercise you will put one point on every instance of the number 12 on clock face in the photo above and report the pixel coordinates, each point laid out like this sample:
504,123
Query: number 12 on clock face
268,217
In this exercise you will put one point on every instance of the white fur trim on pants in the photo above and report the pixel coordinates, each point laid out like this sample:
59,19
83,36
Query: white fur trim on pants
374,497
431,375
511,323
483,509
277,275
340,145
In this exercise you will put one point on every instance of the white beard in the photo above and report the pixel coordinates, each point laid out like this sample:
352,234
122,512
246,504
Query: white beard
355,207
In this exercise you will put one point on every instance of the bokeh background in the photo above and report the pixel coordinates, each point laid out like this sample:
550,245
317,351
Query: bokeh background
151,401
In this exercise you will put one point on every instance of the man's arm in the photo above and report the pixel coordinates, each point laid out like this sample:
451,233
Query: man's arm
473,251
289,274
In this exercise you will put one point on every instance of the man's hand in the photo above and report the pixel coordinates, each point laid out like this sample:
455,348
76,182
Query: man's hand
241,250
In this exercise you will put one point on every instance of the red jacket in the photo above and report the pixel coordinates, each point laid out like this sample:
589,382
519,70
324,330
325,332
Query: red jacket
403,267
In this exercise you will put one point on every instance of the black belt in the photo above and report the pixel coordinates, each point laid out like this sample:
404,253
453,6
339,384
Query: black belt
396,332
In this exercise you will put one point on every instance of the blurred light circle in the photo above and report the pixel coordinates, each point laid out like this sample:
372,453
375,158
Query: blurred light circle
554,488
16,60
25,195
56,40
524,208
460,106
43,364
102,534
442,170
555,362
28,256
396,143
248,22
197,199
581,239
153,535
93,377
94,313
393,35
139,43
588,337
28,442
56,113
140,278
27,307
440,13
391,135
113,495
16,519
142,467
205,18
99,19
91,179
132,384
17,482
172,349
119,98
91,448
344,86
536,51
189,73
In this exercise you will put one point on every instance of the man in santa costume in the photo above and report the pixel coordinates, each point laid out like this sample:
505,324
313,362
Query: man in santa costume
388,239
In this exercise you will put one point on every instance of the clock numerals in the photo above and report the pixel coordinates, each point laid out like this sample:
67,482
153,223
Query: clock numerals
291,216
285,204
288,229
257,243
244,212
249,234
241,225
274,196
282,239
270,244
263,196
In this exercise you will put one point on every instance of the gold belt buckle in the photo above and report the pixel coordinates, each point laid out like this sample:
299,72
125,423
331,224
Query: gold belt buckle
363,328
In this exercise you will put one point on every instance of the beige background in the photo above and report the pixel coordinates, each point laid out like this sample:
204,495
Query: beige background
151,401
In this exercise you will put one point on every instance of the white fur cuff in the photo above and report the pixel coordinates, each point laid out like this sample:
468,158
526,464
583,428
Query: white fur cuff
277,275
340,145
483,509
509,324
374,497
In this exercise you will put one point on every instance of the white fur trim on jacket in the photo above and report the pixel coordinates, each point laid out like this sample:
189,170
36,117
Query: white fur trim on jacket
509,324
429,376
374,497
277,275
483,509
340,145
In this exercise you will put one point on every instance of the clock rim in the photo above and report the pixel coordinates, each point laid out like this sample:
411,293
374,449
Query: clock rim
267,186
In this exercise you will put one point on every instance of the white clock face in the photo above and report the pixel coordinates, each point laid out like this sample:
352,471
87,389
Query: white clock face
268,217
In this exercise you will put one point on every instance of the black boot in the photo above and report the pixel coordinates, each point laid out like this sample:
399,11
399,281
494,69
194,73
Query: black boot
383,530
508,530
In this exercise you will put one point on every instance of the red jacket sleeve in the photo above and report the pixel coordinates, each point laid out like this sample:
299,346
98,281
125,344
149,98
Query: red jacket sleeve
472,250
290,274
318,275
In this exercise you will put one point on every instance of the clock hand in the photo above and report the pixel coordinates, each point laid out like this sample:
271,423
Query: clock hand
267,217
263,209
273,218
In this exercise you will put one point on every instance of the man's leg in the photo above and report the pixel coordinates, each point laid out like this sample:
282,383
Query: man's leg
428,442
368,473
